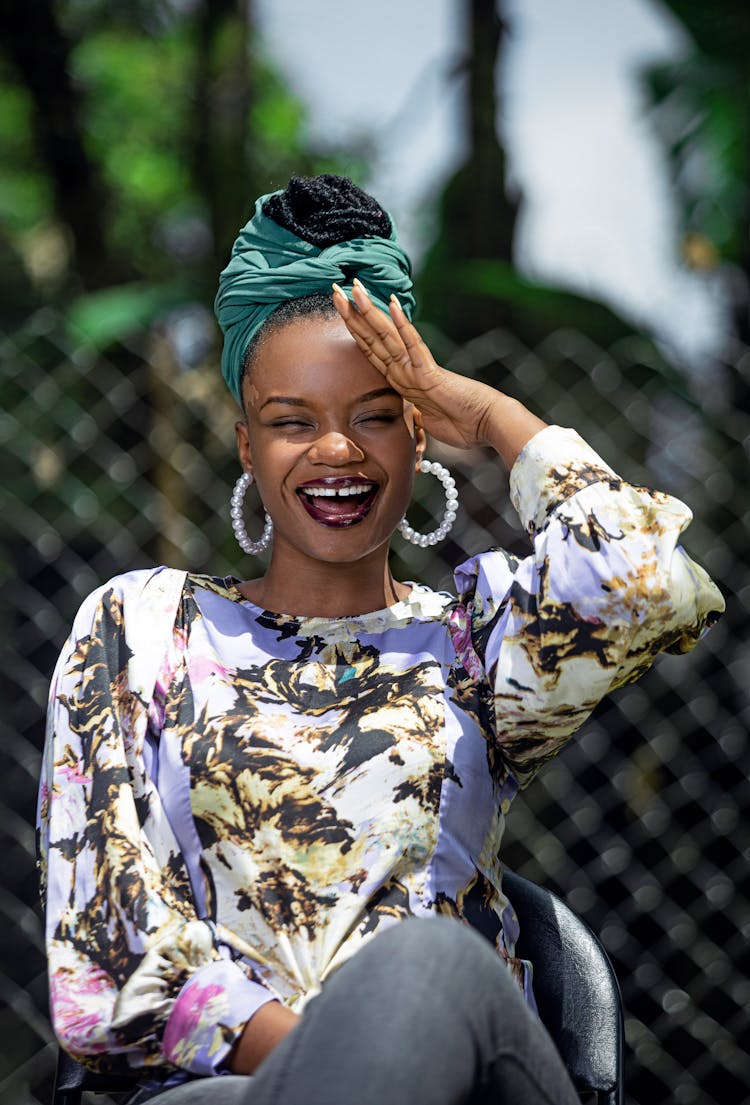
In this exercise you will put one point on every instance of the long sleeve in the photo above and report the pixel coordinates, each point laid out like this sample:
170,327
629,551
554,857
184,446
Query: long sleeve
137,978
605,589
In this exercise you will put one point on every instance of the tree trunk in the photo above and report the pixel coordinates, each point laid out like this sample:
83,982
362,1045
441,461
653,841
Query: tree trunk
223,164
491,212
477,216
41,53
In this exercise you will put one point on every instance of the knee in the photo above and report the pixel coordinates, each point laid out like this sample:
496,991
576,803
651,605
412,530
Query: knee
443,966
422,937
445,954
452,969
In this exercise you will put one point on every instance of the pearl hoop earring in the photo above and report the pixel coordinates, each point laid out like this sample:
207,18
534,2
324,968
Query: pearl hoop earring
449,515
254,548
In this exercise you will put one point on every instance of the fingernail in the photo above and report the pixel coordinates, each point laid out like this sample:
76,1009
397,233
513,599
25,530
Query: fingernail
396,300
336,288
358,284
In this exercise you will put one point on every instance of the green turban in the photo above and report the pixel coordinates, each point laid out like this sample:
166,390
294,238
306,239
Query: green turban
270,264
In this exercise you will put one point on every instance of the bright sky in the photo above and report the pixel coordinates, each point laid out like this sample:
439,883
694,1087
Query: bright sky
597,215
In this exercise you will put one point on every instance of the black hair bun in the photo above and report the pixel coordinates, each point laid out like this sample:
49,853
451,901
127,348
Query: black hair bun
327,209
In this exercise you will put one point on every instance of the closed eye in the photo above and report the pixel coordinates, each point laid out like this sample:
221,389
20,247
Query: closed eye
383,417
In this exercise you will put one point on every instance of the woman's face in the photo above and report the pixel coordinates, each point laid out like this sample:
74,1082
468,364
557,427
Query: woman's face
331,446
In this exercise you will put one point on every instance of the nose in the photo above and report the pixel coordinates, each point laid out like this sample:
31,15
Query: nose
335,449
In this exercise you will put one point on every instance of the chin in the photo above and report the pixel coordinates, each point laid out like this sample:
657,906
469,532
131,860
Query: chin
337,546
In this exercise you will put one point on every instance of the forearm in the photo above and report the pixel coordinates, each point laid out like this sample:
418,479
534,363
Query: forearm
508,426
262,1033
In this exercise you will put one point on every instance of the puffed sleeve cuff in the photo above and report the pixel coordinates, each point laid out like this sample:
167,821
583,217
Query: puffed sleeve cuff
210,1012
552,466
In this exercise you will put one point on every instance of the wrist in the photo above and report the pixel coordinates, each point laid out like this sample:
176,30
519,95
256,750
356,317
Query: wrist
508,426
263,1032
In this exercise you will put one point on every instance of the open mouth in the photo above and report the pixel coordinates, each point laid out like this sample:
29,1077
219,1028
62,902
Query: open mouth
338,503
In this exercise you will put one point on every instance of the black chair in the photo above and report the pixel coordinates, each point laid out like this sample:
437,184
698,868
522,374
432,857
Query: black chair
72,1080
576,989
576,992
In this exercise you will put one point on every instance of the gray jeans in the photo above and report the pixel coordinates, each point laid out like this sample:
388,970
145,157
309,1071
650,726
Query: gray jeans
425,1014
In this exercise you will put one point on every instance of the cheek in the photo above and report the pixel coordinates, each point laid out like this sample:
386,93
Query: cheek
403,479
402,433
410,452
274,464
263,461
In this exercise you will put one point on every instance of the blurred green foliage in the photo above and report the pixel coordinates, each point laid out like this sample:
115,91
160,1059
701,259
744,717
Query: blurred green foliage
700,105
180,120
25,194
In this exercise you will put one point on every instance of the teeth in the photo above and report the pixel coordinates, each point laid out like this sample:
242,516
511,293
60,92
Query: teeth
338,492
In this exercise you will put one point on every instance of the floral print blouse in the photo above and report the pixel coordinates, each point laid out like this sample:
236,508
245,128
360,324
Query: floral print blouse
234,801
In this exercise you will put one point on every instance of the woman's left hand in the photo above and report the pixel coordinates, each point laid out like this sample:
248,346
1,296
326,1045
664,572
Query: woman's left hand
455,410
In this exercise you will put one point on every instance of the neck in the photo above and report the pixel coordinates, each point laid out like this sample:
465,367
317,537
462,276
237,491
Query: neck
318,589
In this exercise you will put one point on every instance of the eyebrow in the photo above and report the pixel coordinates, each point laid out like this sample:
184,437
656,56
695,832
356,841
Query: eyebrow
292,401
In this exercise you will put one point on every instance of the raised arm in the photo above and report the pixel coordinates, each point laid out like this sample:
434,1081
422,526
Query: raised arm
606,586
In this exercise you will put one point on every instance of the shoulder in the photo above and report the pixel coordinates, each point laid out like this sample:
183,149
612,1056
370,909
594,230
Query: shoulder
142,588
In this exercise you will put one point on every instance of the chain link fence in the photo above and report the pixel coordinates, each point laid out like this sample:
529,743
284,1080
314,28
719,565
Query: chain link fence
126,459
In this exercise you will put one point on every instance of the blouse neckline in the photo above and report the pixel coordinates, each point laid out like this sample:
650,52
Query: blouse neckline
421,603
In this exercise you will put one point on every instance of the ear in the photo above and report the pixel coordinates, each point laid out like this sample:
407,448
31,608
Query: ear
420,436
243,445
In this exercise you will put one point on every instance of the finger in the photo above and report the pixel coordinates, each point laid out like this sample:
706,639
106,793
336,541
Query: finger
375,360
350,314
362,336
376,329
342,303
419,353
369,314
354,314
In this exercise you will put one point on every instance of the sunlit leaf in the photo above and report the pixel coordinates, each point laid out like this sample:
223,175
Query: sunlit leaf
102,317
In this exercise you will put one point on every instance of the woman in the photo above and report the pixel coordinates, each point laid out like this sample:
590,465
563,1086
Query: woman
258,796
